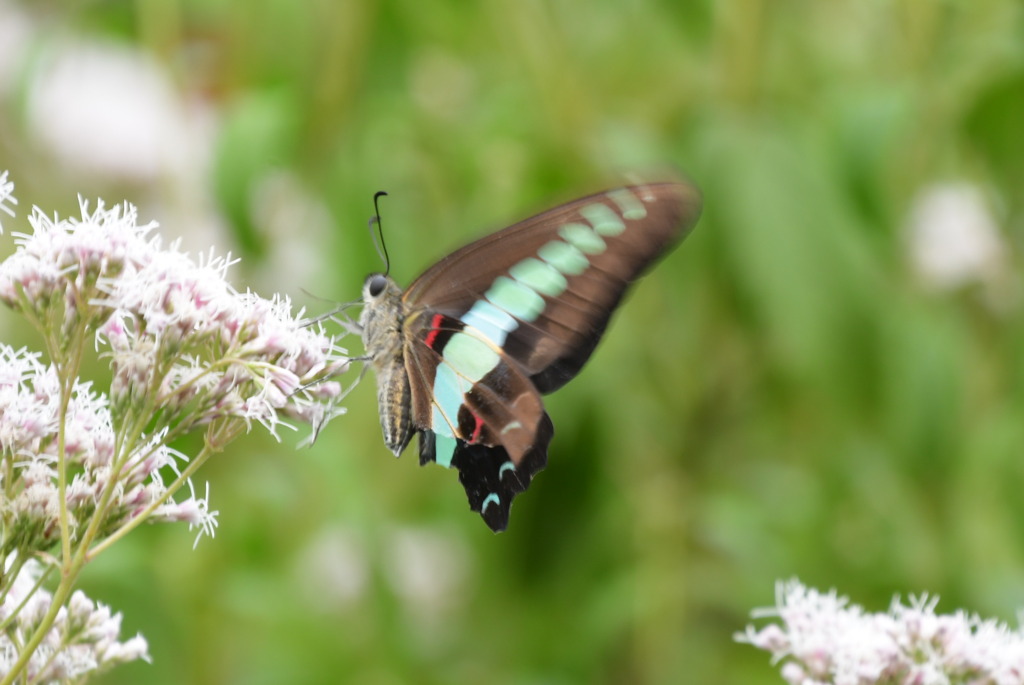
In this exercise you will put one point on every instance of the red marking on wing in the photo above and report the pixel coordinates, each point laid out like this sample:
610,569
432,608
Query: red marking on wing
435,324
477,429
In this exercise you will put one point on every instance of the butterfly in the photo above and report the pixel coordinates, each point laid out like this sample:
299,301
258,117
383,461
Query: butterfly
464,354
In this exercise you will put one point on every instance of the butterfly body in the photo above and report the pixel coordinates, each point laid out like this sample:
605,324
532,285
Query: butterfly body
463,355
382,337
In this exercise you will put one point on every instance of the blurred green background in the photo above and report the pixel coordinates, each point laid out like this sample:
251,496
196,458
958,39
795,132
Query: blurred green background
825,381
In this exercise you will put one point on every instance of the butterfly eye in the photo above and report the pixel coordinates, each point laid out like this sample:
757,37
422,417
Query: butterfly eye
376,285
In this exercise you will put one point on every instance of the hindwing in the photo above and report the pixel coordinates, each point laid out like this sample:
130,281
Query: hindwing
476,410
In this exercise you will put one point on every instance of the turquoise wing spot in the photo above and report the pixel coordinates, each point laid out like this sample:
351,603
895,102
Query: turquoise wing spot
515,298
565,257
466,359
448,392
488,501
583,238
507,466
471,357
603,219
444,450
542,277
439,423
492,323
630,205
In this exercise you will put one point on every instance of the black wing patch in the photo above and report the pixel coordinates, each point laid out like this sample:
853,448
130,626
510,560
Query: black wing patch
490,478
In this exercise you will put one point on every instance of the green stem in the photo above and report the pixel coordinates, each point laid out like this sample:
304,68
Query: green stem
214,443
68,374
71,567
62,475
135,429
53,655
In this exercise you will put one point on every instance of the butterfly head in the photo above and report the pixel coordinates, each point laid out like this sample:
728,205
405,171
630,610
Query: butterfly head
378,288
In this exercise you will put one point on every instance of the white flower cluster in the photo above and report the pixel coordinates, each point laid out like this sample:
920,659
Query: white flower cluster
29,417
824,639
79,468
82,641
185,347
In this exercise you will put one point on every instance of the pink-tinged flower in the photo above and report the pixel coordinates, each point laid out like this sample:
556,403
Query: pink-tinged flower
62,261
173,298
180,336
194,510
29,402
825,639
222,353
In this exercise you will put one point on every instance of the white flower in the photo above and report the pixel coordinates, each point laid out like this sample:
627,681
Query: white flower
194,510
173,295
16,33
952,238
6,197
128,122
334,569
83,639
27,415
426,569
824,639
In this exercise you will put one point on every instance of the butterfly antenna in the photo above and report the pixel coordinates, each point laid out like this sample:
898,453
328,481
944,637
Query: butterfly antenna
382,249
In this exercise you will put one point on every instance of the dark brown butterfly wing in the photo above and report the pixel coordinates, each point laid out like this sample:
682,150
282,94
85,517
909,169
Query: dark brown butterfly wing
516,314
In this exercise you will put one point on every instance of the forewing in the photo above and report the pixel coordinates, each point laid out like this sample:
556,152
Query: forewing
544,289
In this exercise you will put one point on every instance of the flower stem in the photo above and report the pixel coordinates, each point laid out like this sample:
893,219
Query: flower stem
68,375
